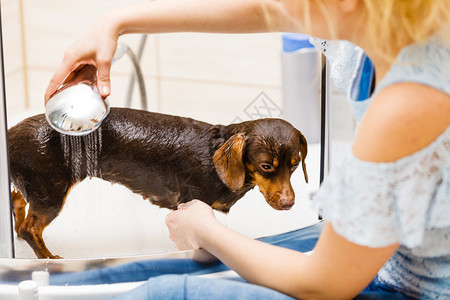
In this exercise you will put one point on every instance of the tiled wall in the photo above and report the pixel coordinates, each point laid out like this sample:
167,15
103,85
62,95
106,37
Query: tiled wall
205,76
218,78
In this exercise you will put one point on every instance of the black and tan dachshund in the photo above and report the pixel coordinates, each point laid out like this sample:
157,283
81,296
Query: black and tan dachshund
166,159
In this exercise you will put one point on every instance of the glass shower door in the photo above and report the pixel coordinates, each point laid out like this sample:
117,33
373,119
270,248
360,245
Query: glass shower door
6,237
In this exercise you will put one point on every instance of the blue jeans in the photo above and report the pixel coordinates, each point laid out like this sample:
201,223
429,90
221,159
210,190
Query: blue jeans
181,287
185,287
175,278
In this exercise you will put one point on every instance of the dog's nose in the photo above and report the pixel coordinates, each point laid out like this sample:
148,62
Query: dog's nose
286,198
286,203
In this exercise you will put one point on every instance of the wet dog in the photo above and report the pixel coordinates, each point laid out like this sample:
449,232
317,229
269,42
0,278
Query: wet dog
166,159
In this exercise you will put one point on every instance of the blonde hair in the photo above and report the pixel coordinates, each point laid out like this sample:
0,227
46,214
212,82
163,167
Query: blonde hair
393,24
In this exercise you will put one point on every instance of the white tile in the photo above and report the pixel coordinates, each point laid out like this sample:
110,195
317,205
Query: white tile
37,84
119,92
11,30
51,29
214,103
244,58
148,61
9,8
15,96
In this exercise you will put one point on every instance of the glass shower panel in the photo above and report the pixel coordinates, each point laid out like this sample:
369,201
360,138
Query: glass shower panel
6,237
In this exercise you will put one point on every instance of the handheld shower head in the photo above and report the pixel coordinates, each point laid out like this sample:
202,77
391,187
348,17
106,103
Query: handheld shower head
77,108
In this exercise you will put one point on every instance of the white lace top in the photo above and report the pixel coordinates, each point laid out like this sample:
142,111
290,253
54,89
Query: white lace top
406,201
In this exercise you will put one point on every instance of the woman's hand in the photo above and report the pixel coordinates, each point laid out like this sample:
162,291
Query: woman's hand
96,47
187,224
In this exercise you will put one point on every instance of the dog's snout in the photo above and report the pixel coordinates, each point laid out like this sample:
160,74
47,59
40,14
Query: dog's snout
281,200
286,203
287,198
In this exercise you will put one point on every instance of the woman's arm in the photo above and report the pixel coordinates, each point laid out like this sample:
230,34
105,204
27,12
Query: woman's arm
99,42
336,269
233,16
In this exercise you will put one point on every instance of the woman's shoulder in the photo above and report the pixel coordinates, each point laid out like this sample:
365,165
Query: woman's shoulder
402,119
380,203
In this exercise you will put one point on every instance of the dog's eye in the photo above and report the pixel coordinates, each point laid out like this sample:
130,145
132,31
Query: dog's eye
267,167
294,167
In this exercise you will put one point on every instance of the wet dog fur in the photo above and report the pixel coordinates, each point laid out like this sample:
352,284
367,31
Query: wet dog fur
166,159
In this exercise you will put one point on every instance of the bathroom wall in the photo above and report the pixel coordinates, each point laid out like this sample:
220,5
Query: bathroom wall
219,78
205,76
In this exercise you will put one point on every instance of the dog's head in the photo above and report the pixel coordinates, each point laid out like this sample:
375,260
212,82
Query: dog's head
265,153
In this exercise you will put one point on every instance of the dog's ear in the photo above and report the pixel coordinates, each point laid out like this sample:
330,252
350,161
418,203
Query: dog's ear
303,153
229,162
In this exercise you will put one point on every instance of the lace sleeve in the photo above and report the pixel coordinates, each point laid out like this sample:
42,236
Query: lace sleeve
378,204
344,58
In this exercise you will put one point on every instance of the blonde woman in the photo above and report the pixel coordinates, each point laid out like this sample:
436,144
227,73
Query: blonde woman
387,206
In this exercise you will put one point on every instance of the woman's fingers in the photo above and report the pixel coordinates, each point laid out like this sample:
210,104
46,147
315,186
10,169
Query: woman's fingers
96,47
103,77
62,74
188,204
187,222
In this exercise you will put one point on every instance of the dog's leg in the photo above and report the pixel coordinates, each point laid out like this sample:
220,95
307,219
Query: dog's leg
19,204
31,231
39,216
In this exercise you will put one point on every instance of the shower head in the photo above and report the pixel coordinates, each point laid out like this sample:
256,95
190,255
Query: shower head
77,108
